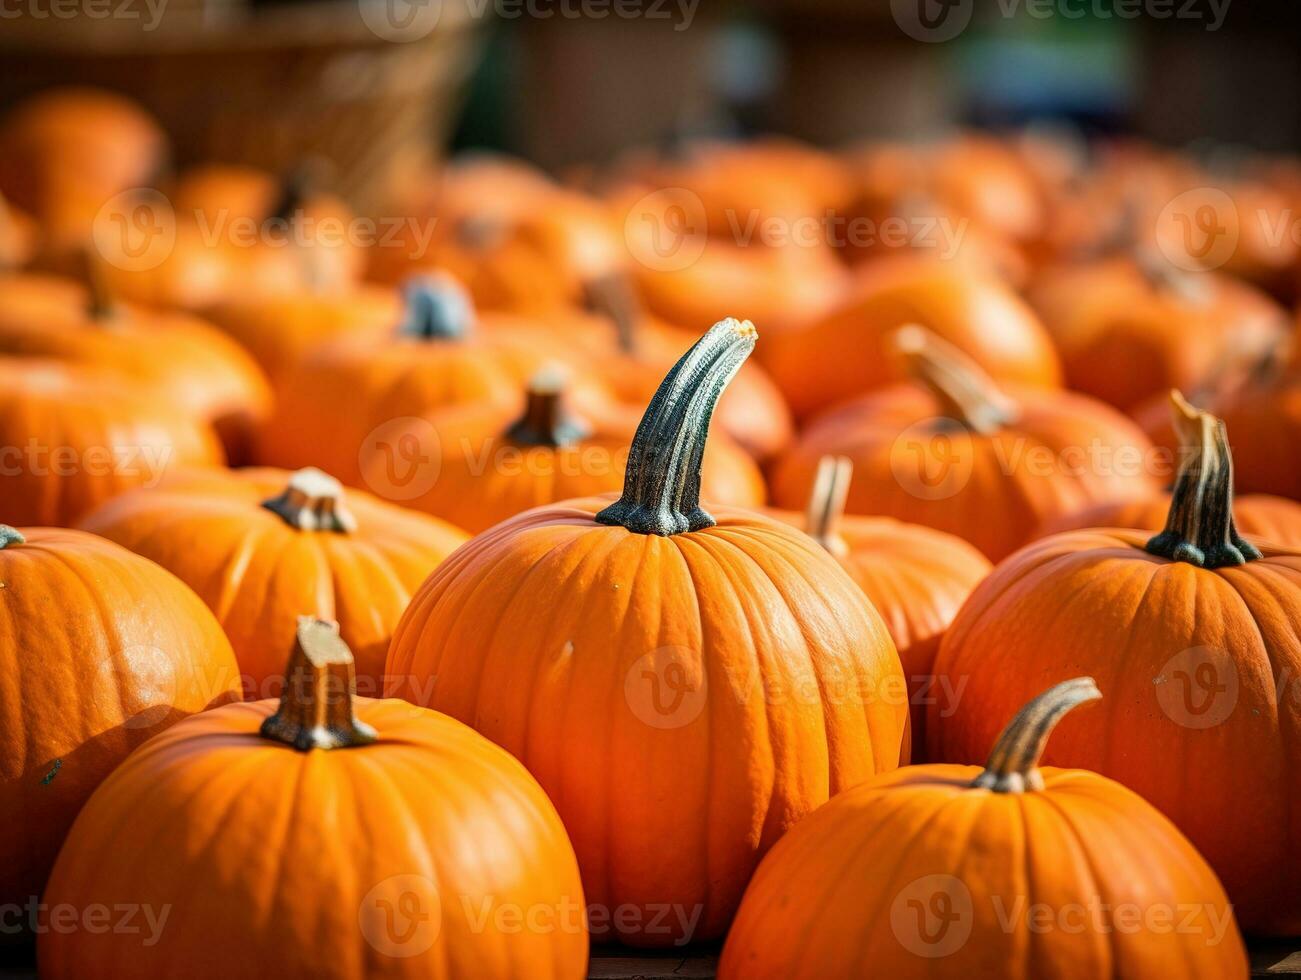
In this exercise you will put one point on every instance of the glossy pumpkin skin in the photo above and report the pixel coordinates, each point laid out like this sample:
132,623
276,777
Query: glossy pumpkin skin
1273,519
258,573
182,357
454,829
843,353
993,490
628,672
849,891
1199,667
100,650
76,437
1124,338
917,578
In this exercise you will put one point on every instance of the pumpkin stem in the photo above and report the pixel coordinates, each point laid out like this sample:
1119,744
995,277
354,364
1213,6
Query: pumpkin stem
316,707
1200,528
827,503
437,308
296,186
10,535
613,297
100,303
965,392
1013,765
661,486
313,501
545,421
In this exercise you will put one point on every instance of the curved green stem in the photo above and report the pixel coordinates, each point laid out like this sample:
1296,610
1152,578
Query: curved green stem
316,708
1013,765
661,486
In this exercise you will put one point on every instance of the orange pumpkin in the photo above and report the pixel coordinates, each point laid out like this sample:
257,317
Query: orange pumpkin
100,650
73,437
957,454
1195,634
844,353
380,839
184,359
916,577
262,547
1130,327
1011,871
677,680
1264,416
18,237
66,152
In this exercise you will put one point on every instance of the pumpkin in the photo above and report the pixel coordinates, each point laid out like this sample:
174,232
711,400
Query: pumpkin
1264,416
65,152
844,353
1011,870
326,836
433,363
199,370
1130,327
100,650
680,681
73,437
18,237
1195,633
916,577
261,547
956,453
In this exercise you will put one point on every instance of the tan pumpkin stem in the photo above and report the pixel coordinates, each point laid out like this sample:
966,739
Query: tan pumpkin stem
827,503
661,485
965,392
316,708
437,308
1013,765
545,421
10,535
1199,528
613,297
313,501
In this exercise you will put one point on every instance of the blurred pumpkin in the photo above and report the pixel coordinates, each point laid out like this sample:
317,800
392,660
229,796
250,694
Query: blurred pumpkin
955,453
201,821
74,436
1011,870
677,680
915,576
262,547
844,353
100,650
18,237
1195,632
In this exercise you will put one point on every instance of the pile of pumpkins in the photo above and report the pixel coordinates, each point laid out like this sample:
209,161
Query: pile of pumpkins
438,605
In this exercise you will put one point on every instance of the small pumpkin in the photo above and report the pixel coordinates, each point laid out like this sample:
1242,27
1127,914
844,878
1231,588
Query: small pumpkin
379,839
181,357
75,436
261,547
845,352
1132,326
916,577
100,650
679,681
956,453
1194,632
1011,870
18,237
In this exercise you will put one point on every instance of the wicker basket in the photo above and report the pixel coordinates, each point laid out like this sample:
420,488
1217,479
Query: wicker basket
267,85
